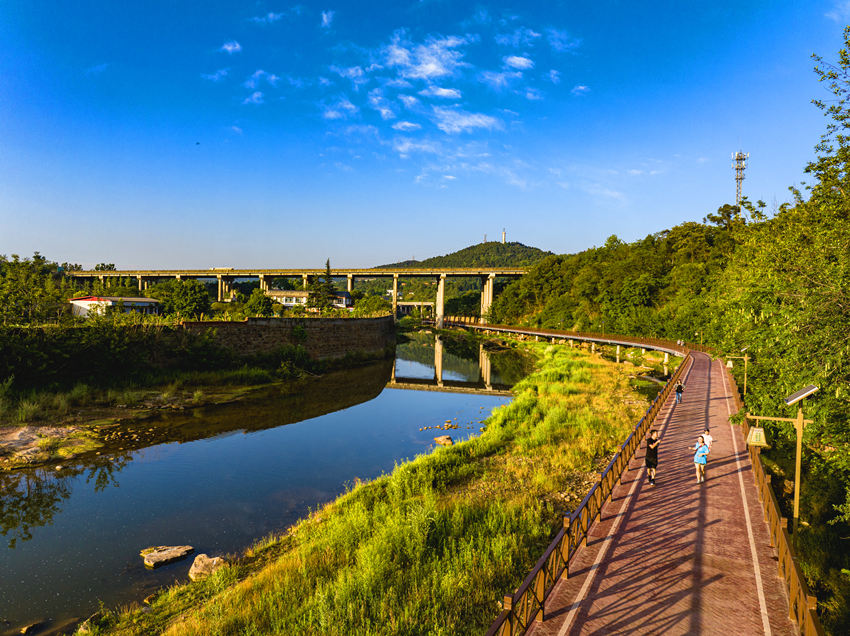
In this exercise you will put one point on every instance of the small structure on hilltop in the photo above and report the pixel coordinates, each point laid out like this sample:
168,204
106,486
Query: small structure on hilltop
87,305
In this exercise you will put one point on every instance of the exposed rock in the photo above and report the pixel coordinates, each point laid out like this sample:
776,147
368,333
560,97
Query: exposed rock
31,628
203,566
444,440
162,554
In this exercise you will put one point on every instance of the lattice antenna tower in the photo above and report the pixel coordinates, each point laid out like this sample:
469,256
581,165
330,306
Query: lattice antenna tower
740,165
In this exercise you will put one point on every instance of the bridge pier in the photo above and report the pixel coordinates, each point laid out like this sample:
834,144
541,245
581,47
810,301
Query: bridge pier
438,360
305,279
440,305
350,281
224,288
264,283
487,284
618,354
395,296
485,366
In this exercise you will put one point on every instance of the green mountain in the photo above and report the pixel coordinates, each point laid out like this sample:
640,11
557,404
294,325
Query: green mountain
489,254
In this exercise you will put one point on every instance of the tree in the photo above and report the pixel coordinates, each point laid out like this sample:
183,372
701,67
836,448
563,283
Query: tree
182,298
104,267
259,304
322,291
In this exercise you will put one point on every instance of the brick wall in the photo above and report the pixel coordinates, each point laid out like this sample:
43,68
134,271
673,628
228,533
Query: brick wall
323,338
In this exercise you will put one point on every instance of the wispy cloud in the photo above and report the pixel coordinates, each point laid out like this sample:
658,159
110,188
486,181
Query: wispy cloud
580,89
254,98
521,37
840,12
260,75
341,109
439,91
236,129
381,104
409,101
499,80
97,69
533,94
435,57
560,40
405,146
455,120
327,19
518,62
269,18
231,47
406,126
353,73
219,75
554,76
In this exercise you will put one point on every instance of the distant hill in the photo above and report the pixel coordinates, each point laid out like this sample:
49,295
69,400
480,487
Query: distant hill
489,254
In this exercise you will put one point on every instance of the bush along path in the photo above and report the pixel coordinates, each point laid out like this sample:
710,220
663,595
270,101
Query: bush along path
429,548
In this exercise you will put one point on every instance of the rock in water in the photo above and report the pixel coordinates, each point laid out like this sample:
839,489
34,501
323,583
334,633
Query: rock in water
162,554
203,566
444,440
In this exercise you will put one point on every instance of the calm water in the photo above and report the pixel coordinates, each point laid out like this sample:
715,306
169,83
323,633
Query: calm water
220,478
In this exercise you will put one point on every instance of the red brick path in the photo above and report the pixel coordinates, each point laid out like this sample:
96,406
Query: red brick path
677,557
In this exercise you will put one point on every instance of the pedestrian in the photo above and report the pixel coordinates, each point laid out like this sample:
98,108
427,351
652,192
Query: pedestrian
680,388
701,459
708,438
651,459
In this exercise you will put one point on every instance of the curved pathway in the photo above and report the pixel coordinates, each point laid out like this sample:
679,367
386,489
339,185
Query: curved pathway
678,557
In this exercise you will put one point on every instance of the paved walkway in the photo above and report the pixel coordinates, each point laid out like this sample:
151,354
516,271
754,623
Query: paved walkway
679,557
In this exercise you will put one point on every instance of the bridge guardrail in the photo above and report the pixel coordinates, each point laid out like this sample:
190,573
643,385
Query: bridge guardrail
802,605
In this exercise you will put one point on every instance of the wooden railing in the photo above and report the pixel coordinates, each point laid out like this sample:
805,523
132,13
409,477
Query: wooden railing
801,604
526,604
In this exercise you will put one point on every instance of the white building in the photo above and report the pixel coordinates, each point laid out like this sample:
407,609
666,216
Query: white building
292,298
85,305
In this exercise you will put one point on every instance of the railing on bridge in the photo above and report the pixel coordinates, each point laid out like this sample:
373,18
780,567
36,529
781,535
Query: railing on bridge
801,604
526,604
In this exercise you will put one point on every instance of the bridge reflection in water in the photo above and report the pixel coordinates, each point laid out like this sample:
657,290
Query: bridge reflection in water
483,386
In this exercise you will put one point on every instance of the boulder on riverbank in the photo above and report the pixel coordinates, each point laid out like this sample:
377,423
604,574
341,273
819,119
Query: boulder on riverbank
162,554
444,440
203,566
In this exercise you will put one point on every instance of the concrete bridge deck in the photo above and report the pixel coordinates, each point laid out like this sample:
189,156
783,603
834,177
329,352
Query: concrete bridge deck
678,557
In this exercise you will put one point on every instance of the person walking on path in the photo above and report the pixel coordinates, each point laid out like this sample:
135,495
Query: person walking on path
651,459
701,459
708,438
679,389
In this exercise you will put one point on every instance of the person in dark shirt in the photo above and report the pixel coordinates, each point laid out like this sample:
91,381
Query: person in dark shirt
680,388
651,458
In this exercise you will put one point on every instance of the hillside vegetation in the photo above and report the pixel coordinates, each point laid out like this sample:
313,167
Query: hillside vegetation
489,254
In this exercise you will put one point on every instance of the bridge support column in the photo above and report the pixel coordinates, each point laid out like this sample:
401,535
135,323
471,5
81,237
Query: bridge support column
592,347
264,283
142,285
305,280
395,296
438,360
487,285
485,366
666,358
618,354
350,279
441,296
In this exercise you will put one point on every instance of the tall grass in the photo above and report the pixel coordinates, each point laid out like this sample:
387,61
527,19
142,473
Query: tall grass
430,548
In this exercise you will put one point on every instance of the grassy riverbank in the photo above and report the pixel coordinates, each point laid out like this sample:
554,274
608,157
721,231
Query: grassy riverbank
432,546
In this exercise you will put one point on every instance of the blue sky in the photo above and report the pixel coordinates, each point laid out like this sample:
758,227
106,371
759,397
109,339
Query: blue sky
189,134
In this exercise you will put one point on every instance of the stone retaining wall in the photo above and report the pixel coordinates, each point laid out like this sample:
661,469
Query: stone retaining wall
323,338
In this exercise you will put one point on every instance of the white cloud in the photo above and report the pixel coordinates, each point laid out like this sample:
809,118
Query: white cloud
436,57
500,80
404,146
520,37
455,120
342,109
269,18
219,75
518,62
353,73
405,126
380,103
580,89
840,12
231,47
254,98
554,76
634,172
236,129
409,101
439,91
260,75
560,40
449,177
533,94
327,19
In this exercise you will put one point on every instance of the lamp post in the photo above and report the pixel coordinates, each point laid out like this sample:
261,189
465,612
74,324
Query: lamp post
746,359
799,424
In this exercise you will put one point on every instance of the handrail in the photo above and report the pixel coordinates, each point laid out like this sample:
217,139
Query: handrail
802,606
526,604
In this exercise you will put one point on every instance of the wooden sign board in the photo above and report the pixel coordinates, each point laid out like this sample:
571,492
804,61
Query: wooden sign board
756,437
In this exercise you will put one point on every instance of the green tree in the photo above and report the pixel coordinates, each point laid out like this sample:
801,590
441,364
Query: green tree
322,290
181,298
104,267
259,304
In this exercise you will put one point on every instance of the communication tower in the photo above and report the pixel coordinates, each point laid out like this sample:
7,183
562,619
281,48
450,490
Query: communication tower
740,165
503,236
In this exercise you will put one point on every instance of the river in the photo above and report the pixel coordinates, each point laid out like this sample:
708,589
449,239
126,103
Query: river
219,478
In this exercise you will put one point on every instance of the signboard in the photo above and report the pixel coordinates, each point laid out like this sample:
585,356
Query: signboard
756,437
